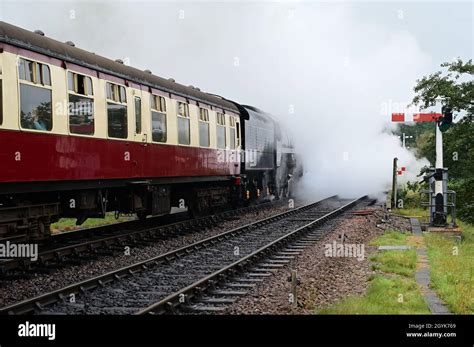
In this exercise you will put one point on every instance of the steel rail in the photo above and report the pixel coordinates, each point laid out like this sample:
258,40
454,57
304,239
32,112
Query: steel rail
32,304
170,303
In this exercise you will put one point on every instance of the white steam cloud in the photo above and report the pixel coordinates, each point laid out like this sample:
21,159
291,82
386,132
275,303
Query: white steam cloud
331,77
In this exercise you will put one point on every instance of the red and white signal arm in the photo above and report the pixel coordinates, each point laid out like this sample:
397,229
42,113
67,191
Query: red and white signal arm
398,117
426,117
399,172
417,117
404,168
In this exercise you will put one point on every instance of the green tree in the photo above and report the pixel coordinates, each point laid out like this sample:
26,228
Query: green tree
455,86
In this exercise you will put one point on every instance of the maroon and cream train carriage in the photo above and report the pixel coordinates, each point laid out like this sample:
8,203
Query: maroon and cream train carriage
81,135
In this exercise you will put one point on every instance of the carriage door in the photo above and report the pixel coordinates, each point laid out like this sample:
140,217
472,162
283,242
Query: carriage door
140,137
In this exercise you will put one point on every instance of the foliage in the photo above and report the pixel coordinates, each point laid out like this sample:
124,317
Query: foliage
464,189
451,86
410,193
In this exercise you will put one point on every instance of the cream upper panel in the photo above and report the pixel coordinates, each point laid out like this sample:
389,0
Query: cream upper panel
194,119
60,104
9,79
212,129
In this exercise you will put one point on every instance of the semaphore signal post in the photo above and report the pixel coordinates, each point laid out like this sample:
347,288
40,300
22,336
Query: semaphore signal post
440,199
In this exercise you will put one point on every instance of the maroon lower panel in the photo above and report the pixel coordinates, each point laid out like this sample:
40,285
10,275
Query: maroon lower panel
26,157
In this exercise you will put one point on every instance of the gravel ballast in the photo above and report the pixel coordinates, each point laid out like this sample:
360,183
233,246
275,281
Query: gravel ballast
322,280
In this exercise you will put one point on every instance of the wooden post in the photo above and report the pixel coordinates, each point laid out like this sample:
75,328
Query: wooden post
394,185
294,283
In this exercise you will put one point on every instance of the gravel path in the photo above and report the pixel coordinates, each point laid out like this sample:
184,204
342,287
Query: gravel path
322,280
16,290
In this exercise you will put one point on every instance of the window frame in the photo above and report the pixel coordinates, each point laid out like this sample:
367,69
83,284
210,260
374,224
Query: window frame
159,102
158,105
86,95
33,83
232,125
76,84
166,126
117,94
204,118
138,120
221,122
35,70
186,116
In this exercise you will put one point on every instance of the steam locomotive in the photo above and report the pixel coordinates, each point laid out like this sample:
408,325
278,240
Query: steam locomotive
82,135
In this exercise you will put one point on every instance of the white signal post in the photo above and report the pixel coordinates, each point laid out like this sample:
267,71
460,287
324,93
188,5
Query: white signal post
439,151
438,214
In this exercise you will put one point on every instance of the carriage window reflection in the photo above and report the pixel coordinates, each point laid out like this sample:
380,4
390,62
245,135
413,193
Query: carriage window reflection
204,140
158,124
184,135
116,111
81,115
117,120
221,130
35,108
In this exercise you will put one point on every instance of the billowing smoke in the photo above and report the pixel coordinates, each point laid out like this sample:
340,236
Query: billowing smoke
330,72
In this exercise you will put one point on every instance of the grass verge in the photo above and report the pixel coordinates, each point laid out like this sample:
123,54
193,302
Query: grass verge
452,268
393,289
452,265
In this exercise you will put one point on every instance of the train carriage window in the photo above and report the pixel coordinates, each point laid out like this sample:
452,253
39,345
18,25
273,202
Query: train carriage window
123,96
221,136
81,106
34,72
35,96
116,111
21,69
232,132
158,124
162,104
110,91
26,70
89,89
158,119
35,108
204,140
232,138
46,76
237,128
138,115
158,103
38,74
184,133
70,81
117,120
81,115
183,109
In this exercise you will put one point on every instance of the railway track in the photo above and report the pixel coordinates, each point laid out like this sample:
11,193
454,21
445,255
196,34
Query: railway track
71,247
212,271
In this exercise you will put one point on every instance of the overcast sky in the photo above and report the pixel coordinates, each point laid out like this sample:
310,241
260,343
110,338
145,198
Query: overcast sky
332,71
